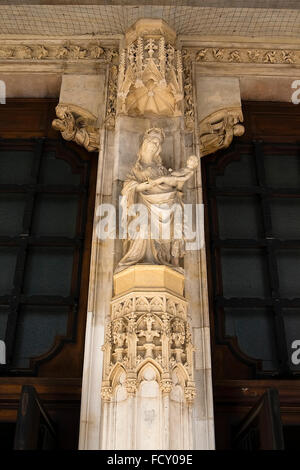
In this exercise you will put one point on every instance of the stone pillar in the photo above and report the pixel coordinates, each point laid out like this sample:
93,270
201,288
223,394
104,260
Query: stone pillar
149,94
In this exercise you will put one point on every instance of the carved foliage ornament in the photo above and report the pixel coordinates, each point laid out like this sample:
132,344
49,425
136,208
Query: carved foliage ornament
78,125
50,51
217,130
150,78
246,55
148,328
189,108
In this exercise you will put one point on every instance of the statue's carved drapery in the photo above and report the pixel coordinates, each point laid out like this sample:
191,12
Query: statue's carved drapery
159,191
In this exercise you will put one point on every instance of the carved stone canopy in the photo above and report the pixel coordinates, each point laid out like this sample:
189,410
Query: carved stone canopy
218,129
150,71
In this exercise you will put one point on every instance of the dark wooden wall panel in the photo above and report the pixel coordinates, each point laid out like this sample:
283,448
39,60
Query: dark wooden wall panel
59,379
235,390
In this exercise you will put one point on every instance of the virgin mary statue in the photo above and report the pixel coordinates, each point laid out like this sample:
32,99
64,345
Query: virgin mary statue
159,197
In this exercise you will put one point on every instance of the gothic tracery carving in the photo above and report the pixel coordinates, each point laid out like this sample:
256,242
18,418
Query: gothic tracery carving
148,327
150,78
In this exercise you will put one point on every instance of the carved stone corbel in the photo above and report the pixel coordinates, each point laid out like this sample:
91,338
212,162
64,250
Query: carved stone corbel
217,130
77,124
150,71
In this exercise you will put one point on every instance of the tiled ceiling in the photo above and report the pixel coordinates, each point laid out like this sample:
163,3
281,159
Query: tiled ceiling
113,18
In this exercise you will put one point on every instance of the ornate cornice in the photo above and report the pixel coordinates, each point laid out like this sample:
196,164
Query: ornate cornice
49,51
249,55
122,83
78,125
226,55
217,130
69,52
189,107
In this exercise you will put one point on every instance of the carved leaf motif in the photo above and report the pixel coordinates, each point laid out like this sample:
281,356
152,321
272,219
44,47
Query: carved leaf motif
62,52
254,55
24,52
270,57
78,52
288,57
151,81
95,52
234,56
218,53
41,52
6,53
201,55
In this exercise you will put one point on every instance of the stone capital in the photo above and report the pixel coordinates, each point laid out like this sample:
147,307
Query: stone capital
219,112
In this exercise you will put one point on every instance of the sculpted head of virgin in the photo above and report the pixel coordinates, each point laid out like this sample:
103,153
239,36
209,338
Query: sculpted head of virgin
149,153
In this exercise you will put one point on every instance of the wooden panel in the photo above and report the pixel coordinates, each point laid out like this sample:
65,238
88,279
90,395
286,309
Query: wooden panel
233,399
60,397
235,390
268,120
23,118
59,378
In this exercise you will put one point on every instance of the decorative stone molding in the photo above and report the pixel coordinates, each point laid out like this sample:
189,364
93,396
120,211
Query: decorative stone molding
78,125
217,130
111,106
150,72
245,55
148,327
189,107
49,51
